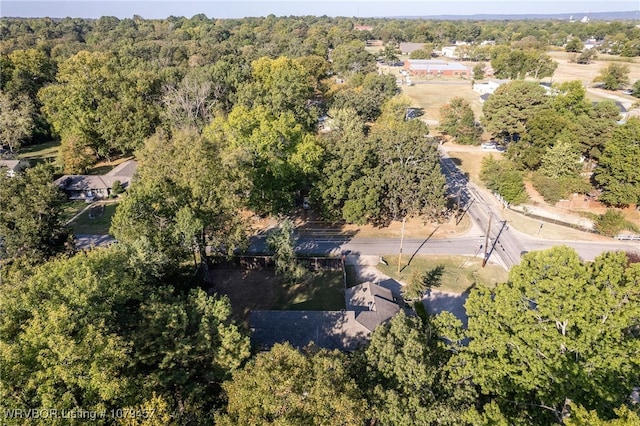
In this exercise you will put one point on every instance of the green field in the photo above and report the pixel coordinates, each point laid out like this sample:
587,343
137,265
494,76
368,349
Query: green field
41,153
460,274
70,209
322,291
98,224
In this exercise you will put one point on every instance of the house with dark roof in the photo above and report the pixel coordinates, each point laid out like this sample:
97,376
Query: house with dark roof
367,306
91,187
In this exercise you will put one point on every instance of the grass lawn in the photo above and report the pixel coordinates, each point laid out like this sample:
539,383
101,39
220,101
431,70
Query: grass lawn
321,291
41,153
99,225
460,272
71,208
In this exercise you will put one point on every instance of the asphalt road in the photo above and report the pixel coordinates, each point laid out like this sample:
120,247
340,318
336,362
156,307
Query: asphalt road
503,245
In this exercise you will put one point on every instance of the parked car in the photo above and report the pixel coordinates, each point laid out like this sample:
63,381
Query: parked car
489,145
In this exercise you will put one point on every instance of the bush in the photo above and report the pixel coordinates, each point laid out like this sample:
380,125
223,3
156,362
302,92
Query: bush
503,178
556,189
116,188
612,222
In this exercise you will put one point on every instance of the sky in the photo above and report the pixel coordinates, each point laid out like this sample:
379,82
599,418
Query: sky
157,9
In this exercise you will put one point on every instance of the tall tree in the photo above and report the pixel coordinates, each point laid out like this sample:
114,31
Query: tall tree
99,100
16,122
99,331
284,386
274,154
512,105
409,166
30,216
199,198
614,76
559,331
281,86
404,373
458,121
617,171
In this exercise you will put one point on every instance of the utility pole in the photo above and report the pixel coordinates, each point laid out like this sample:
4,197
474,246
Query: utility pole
404,219
486,241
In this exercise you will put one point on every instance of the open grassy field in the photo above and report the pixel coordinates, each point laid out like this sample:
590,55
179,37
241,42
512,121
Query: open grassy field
430,94
460,272
568,71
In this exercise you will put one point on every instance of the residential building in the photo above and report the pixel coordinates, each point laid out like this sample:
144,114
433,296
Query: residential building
91,187
367,306
436,68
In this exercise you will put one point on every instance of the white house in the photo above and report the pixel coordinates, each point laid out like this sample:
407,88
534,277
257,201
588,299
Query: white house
488,87
450,52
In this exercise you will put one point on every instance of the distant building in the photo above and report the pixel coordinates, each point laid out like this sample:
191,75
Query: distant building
90,187
450,52
13,166
409,48
436,68
488,87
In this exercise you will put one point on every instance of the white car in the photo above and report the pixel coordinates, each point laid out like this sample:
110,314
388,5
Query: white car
489,145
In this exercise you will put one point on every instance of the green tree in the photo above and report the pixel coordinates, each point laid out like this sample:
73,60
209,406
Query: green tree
286,387
424,53
100,331
30,216
281,86
617,170
16,122
518,64
421,281
586,57
412,181
405,378
512,105
96,99
501,176
188,346
561,160
273,154
58,332
635,90
614,76
31,70
349,171
368,98
183,200
574,45
457,120
557,332
352,58
478,71
281,242
612,222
